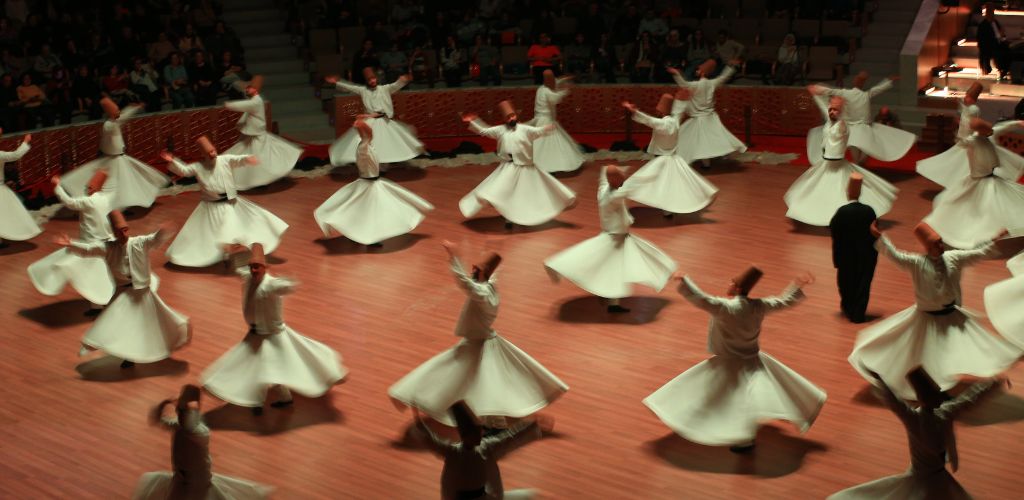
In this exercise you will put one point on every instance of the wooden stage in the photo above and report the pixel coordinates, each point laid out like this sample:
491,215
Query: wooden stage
74,429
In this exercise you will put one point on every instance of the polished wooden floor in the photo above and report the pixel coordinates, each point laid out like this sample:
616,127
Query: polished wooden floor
73,428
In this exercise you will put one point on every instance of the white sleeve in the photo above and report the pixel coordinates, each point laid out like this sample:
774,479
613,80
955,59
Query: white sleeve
128,112
494,132
179,167
74,203
349,86
789,297
692,293
882,86
724,76
6,156
646,119
242,105
682,82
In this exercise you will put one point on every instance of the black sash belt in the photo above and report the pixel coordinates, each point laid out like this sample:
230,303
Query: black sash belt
946,309
831,159
370,178
220,198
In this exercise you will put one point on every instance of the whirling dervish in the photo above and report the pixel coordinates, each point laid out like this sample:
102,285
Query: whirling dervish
131,183
138,326
222,217
971,210
936,332
816,195
703,136
396,141
494,378
1003,302
271,355
608,264
723,400
520,191
557,151
277,156
16,224
667,182
370,209
867,138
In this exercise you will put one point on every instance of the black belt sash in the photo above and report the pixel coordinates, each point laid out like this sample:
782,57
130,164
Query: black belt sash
370,178
222,197
946,309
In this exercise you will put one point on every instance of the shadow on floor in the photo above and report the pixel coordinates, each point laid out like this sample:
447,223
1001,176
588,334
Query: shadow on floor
16,247
801,228
997,408
593,309
776,455
343,246
496,225
59,314
304,413
649,217
274,187
108,369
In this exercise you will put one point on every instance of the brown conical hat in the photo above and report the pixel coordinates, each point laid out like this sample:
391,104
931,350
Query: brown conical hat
860,79
707,67
506,108
117,220
256,82
665,104
97,180
205,145
975,90
549,79
616,175
488,263
258,257
110,107
853,188
746,281
368,73
925,234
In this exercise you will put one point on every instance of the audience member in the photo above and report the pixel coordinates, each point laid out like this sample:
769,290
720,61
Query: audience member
488,59
452,58
176,77
542,55
787,64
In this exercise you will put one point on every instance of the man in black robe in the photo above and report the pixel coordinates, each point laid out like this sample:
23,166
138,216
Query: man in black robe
992,44
853,251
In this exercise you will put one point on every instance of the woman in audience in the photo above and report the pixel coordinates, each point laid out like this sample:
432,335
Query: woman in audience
786,69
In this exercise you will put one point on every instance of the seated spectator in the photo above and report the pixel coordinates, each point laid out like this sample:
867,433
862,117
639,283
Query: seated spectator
365,58
605,59
542,55
652,24
671,55
8,33
115,85
10,105
58,92
33,101
202,78
128,46
46,62
640,60
452,59
189,40
627,26
394,62
232,71
12,63
161,49
787,64
85,93
488,60
176,77
592,24
422,64
222,39
100,51
71,57
144,84
470,27
579,57
727,49
698,51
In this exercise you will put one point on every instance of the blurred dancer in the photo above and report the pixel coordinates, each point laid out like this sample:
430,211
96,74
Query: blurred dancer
277,156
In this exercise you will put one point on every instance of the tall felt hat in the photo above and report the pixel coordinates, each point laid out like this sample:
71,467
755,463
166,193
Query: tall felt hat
256,82
549,79
746,281
258,257
205,145
665,104
489,263
369,72
97,181
615,174
925,234
110,107
853,188
860,79
117,220
189,393
506,108
708,67
974,90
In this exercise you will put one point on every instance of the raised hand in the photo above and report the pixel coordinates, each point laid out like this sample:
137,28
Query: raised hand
468,117
894,78
629,106
331,79
546,423
804,279
27,139
1002,234
877,233
450,247
672,71
55,180
252,160
62,239
406,78
166,156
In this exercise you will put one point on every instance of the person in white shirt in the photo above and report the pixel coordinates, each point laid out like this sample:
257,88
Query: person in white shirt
608,264
397,141
667,182
520,191
703,136
495,379
936,332
16,224
131,182
277,156
272,355
138,326
557,151
87,274
1003,303
970,210
723,400
866,137
222,217
370,209
192,476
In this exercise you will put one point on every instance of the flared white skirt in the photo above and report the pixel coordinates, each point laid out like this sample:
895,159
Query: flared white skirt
722,401
608,265
1004,303
908,486
277,158
244,374
947,346
951,166
524,195
393,142
667,182
213,224
138,326
494,377
821,190
371,211
16,223
130,182
880,142
704,137
972,211
557,151
164,486
87,274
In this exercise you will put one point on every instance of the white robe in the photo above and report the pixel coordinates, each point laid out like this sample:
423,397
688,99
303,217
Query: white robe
494,377
948,346
222,216
1003,301
667,182
137,326
723,400
951,166
16,223
517,189
277,156
555,152
396,141
821,190
876,140
371,209
976,207
87,274
271,354
704,136
608,264
190,458
131,182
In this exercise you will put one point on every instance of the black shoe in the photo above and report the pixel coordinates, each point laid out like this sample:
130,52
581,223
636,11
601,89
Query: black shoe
667,215
375,245
257,411
127,364
508,224
4,244
92,313
617,309
282,404
746,448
